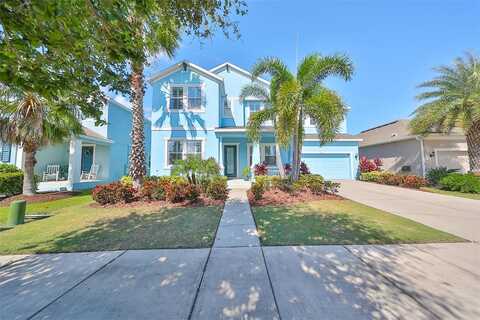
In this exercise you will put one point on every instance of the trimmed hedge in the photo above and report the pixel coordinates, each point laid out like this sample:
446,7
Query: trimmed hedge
218,188
8,168
466,183
388,178
113,193
11,183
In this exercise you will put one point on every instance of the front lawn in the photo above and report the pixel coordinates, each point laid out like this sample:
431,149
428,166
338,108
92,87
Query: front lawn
474,196
88,228
340,222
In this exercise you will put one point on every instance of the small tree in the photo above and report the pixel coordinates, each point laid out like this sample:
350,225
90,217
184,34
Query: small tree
32,122
293,97
453,101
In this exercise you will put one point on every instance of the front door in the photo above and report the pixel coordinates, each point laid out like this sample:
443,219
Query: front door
87,158
230,161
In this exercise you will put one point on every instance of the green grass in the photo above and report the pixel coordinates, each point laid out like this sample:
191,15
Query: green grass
474,196
51,207
78,226
340,222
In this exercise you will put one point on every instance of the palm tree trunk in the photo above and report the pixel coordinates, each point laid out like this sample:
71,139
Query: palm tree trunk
297,146
137,168
473,144
29,188
278,156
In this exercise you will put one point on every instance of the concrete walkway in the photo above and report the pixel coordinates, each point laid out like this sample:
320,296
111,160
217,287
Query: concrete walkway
455,215
239,279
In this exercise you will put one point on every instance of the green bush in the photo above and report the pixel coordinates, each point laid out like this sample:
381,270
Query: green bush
436,174
8,168
388,178
312,182
331,187
257,189
11,183
466,183
218,188
113,193
375,176
127,181
196,170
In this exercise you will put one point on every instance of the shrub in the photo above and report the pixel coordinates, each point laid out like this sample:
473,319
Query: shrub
127,181
8,168
436,174
304,168
287,168
175,190
366,165
375,176
11,183
113,193
246,172
258,189
218,188
260,169
192,192
391,179
414,182
154,189
312,182
466,183
196,170
331,187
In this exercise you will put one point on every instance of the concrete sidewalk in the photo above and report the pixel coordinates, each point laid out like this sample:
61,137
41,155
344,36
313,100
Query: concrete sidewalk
455,215
239,279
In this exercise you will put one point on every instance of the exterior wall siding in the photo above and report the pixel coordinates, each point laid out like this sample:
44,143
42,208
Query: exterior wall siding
396,155
432,147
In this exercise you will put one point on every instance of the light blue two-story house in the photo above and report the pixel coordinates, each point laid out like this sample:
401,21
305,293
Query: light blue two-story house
199,111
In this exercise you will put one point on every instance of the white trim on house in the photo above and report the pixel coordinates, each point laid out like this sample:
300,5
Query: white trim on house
166,72
177,129
185,104
436,150
242,129
422,152
119,104
262,153
81,154
341,139
238,69
165,148
94,139
237,145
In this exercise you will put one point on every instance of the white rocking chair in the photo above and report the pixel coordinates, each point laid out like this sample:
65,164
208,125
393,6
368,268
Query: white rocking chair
92,174
52,172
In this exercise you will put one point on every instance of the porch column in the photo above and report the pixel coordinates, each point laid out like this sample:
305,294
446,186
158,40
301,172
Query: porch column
74,161
255,157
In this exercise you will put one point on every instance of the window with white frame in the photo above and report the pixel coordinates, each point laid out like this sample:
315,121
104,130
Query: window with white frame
185,97
254,106
180,149
176,98
250,154
269,154
5,150
194,97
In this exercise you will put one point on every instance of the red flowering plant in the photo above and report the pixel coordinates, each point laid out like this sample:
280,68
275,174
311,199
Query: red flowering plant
304,168
287,168
367,165
260,169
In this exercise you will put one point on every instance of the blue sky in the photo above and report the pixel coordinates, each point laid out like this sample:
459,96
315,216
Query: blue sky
393,44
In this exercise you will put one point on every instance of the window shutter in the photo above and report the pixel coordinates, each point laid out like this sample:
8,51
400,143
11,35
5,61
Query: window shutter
5,152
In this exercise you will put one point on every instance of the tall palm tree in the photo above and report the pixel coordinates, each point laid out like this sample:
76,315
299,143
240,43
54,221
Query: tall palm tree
32,122
293,97
453,101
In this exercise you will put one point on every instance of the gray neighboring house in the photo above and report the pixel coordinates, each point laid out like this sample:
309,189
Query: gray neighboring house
403,152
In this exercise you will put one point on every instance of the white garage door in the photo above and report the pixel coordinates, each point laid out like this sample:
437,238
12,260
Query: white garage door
452,159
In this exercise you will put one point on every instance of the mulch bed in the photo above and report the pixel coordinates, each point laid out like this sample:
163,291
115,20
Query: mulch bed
201,202
278,197
41,197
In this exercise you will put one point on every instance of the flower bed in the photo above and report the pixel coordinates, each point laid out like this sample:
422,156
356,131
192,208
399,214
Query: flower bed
273,190
388,178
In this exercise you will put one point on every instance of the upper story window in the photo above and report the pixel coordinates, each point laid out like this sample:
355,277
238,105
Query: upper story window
5,150
186,97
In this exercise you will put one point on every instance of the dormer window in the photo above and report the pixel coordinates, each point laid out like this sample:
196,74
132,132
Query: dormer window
186,98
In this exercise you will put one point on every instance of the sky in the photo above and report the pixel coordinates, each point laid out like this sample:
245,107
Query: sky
394,44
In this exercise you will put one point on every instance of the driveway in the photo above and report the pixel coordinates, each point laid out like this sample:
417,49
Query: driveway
455,215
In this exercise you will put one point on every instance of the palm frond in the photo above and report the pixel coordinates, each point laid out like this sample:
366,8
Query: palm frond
255,90
256,121
288,98
315,68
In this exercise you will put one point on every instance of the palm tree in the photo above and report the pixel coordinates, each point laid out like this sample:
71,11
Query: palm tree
32,122
453,101
292,97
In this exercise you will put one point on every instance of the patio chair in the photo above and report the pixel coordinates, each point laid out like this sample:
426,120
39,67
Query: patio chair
52,172
92,174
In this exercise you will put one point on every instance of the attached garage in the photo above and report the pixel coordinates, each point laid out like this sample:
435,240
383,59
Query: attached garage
452,159
329,165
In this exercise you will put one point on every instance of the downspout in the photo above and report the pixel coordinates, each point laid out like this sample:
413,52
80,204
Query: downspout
422,151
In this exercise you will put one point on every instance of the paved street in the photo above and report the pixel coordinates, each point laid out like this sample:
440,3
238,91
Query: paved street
239,279
456,215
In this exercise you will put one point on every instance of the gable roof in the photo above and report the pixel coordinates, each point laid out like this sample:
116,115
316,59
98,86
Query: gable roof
236,68
181,64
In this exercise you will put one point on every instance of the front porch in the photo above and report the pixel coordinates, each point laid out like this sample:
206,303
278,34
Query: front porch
237,153
79,164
